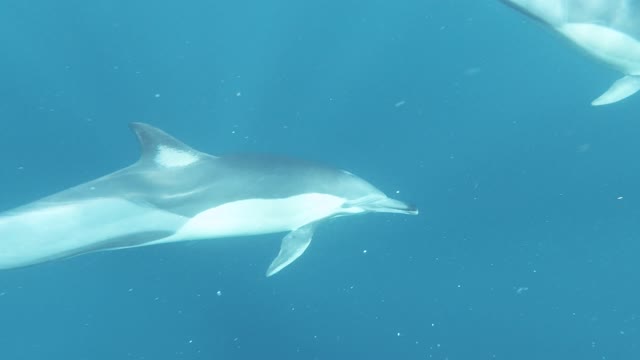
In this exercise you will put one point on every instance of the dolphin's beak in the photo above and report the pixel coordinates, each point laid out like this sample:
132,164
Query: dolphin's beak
386,205
390,205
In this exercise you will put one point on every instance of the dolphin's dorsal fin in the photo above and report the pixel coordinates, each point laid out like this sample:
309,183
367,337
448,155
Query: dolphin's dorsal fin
162,149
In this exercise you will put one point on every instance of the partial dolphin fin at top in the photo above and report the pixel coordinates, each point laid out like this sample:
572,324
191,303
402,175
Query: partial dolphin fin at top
607,30
619,90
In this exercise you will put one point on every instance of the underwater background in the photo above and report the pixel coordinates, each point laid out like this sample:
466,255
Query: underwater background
526,246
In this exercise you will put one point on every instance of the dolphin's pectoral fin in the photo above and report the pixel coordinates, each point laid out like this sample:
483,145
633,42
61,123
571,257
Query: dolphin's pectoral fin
293,245
620,89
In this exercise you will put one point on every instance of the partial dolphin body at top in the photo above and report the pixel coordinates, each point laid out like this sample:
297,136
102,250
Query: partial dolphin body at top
607,30
176,193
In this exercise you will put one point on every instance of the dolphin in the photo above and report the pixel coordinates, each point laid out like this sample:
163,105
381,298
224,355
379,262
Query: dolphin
176,193
607,30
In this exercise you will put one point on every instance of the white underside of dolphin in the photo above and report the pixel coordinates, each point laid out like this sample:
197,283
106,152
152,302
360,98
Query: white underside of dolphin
602,28
175,193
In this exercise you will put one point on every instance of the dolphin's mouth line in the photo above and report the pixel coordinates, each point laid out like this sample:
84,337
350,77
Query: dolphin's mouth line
383,204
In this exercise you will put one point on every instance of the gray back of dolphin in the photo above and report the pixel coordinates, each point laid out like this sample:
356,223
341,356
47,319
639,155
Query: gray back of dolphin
616,14
212,180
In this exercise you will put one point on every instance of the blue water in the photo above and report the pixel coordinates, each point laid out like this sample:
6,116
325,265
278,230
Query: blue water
526,246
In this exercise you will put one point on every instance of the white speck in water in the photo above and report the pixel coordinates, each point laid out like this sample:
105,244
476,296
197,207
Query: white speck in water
620,198
521,289
471,71
238,94
400,103
219,293
364,251
157,95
